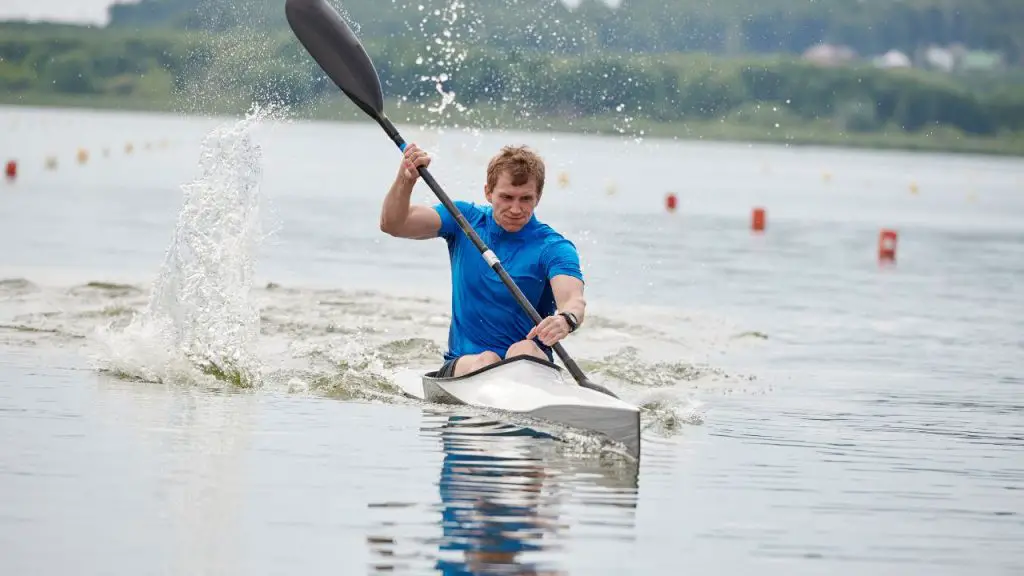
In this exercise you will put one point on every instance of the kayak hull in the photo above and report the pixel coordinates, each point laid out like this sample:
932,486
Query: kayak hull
538,389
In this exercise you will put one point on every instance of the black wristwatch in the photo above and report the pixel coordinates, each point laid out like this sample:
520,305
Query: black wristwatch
571,319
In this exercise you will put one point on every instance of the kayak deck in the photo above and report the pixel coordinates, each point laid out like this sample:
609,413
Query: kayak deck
536,388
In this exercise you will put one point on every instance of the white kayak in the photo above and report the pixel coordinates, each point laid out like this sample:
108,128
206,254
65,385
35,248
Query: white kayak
537,389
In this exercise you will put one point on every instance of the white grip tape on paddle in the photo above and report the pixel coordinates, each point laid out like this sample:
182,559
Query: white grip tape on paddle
491,258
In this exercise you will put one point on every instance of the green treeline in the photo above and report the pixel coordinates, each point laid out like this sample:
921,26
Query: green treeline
200,71
871,27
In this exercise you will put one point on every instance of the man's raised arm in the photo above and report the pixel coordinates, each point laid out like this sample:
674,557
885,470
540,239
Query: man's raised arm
397,216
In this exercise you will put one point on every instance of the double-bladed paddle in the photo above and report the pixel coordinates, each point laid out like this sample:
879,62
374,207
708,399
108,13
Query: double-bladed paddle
334,46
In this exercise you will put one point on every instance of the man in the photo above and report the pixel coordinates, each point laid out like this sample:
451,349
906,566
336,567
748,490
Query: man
487,322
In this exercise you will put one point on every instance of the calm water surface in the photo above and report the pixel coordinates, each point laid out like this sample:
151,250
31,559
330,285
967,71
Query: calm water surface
806,410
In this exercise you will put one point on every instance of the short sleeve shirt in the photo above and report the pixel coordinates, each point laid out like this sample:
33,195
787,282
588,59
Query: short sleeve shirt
485,315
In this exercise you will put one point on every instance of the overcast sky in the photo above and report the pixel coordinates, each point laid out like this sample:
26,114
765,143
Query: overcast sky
84,11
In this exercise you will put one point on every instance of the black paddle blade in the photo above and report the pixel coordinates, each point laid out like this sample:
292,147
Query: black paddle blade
334,46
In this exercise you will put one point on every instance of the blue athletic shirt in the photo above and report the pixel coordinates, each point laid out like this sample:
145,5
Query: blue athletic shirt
485,315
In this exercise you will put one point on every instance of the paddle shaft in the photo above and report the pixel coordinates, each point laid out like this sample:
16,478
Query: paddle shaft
489,256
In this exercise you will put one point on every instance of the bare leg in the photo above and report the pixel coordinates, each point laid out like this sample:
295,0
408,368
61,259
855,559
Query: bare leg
525,348
472,362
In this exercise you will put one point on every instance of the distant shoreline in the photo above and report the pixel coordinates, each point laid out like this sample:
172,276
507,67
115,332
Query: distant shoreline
338,108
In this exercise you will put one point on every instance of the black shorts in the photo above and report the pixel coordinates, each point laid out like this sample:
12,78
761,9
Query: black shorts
447,369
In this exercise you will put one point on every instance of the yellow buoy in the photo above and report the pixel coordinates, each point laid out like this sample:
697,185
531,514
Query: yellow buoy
913,187
563,179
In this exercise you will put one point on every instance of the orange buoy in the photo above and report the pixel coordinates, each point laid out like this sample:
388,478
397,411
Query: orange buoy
757,220
670,202
887,245
11,170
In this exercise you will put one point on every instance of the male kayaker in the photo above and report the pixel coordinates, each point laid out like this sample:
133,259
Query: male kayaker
487,322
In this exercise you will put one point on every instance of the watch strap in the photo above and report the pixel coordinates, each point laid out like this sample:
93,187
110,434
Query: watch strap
570,318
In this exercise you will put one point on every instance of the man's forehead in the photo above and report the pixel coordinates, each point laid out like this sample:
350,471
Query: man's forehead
504,184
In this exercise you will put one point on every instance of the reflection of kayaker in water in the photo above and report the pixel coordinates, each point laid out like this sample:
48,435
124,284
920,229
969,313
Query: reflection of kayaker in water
489,510
500,510
488,324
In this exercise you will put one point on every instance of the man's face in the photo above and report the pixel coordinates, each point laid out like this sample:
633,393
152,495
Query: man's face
513,205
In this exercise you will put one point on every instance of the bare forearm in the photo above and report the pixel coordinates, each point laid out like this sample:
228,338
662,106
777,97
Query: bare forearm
578,306
395,210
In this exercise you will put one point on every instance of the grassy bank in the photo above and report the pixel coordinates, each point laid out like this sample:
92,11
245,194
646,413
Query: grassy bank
736,128
756,98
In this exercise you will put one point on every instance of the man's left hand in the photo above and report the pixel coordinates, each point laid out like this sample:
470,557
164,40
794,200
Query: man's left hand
550,330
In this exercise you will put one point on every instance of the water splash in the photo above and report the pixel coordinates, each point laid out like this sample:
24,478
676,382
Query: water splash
200,323
450,55
446,52
346,368
626,367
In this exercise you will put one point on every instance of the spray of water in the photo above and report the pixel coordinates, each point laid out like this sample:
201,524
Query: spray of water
451,33
448,32
200,324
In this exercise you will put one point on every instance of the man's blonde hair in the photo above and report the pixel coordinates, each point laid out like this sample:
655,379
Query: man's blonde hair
521,163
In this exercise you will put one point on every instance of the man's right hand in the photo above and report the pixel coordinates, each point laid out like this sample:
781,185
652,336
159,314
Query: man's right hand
412,159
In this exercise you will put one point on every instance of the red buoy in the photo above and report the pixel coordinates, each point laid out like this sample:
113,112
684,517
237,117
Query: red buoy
11,170
670,202
757,220
887,245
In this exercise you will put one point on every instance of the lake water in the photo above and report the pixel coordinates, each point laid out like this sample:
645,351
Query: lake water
806,408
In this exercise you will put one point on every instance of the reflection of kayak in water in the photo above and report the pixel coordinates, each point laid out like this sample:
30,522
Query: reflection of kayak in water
492,510
502,488
534,388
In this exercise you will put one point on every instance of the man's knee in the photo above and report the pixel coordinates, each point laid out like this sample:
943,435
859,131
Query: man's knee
487,357
467,364
525,348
